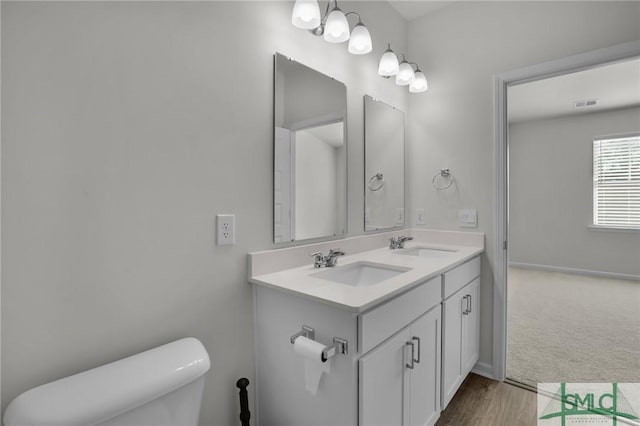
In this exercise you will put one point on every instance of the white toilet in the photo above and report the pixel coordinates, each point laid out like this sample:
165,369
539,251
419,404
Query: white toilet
159,387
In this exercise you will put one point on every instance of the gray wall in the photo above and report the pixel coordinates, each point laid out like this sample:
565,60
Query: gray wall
124,132
460,48
551,194
126,127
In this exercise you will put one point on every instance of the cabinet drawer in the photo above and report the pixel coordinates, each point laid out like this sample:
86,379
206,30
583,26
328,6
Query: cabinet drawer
384,321
460,276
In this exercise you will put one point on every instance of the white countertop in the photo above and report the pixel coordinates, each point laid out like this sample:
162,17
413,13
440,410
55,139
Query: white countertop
300,280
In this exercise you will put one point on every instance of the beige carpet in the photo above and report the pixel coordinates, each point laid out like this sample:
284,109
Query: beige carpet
572,328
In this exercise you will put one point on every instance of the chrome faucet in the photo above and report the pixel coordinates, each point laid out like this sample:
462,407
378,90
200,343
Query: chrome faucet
402,239
330,260
398,243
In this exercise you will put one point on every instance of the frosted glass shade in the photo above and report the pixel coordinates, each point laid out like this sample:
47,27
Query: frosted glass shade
419,83
388,65
336,29
405,74
360,41
306,14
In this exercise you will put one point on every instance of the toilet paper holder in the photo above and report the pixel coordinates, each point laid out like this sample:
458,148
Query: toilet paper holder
340,346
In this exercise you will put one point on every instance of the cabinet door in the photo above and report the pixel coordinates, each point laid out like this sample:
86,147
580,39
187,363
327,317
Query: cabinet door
424,394
471,327
452,310
382,382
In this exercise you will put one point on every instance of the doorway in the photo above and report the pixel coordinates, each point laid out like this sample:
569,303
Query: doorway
574,223
502,251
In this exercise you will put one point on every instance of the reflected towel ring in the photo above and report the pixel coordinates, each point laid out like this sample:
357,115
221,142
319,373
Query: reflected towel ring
379,178
445,173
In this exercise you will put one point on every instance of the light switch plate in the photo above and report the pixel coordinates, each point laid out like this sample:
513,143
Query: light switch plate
468,218
420,217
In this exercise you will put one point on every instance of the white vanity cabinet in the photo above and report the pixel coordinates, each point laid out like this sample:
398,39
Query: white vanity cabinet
400,380
407,355
460,326
371,385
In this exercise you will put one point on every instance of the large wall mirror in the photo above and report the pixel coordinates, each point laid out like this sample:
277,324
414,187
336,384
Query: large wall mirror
384,165
310,153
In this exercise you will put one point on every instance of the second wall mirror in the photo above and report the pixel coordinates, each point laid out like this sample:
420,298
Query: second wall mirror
384,165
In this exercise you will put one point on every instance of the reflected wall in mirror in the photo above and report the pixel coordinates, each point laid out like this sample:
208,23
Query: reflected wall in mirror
383,165
310,155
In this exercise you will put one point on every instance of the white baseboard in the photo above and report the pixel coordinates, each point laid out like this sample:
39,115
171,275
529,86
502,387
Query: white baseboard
483,369
575,271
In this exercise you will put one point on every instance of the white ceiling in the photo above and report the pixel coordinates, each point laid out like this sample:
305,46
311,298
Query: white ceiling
615,86
414,9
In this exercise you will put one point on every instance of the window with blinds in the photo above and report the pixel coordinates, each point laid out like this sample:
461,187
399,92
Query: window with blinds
616,182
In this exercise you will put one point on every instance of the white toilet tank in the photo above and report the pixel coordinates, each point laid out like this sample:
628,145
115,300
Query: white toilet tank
159,387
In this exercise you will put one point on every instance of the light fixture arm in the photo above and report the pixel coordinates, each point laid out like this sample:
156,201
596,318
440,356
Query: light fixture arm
326,12
354,13
417,67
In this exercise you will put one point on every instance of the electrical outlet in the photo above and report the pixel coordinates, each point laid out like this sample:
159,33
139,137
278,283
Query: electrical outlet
226,229
420,217
399,216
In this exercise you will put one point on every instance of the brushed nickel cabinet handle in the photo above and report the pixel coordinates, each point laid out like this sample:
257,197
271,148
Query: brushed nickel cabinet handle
416,338
411,366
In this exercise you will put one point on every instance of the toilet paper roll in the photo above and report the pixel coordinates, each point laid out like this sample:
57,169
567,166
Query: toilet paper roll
311,351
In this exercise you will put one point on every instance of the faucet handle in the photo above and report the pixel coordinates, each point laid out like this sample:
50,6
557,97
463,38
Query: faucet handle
393,243
318,259
335,252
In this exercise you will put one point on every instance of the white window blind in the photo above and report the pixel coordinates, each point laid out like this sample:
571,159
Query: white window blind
616,182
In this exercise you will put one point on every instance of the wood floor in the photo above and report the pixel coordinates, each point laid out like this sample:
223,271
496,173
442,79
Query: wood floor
484,402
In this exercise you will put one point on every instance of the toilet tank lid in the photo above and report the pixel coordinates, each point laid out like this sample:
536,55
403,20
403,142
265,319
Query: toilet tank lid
96,395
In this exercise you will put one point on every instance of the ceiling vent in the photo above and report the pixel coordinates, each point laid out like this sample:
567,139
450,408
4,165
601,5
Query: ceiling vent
585,103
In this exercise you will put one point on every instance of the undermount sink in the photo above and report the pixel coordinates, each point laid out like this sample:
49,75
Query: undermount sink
360,274
426,251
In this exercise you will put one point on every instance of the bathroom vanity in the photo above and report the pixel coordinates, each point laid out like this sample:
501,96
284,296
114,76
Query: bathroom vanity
410,318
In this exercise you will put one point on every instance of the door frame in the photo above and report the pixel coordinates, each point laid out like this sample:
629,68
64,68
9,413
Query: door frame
580,62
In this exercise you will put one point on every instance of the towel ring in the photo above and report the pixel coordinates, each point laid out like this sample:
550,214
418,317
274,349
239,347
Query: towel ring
379,178
446,174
